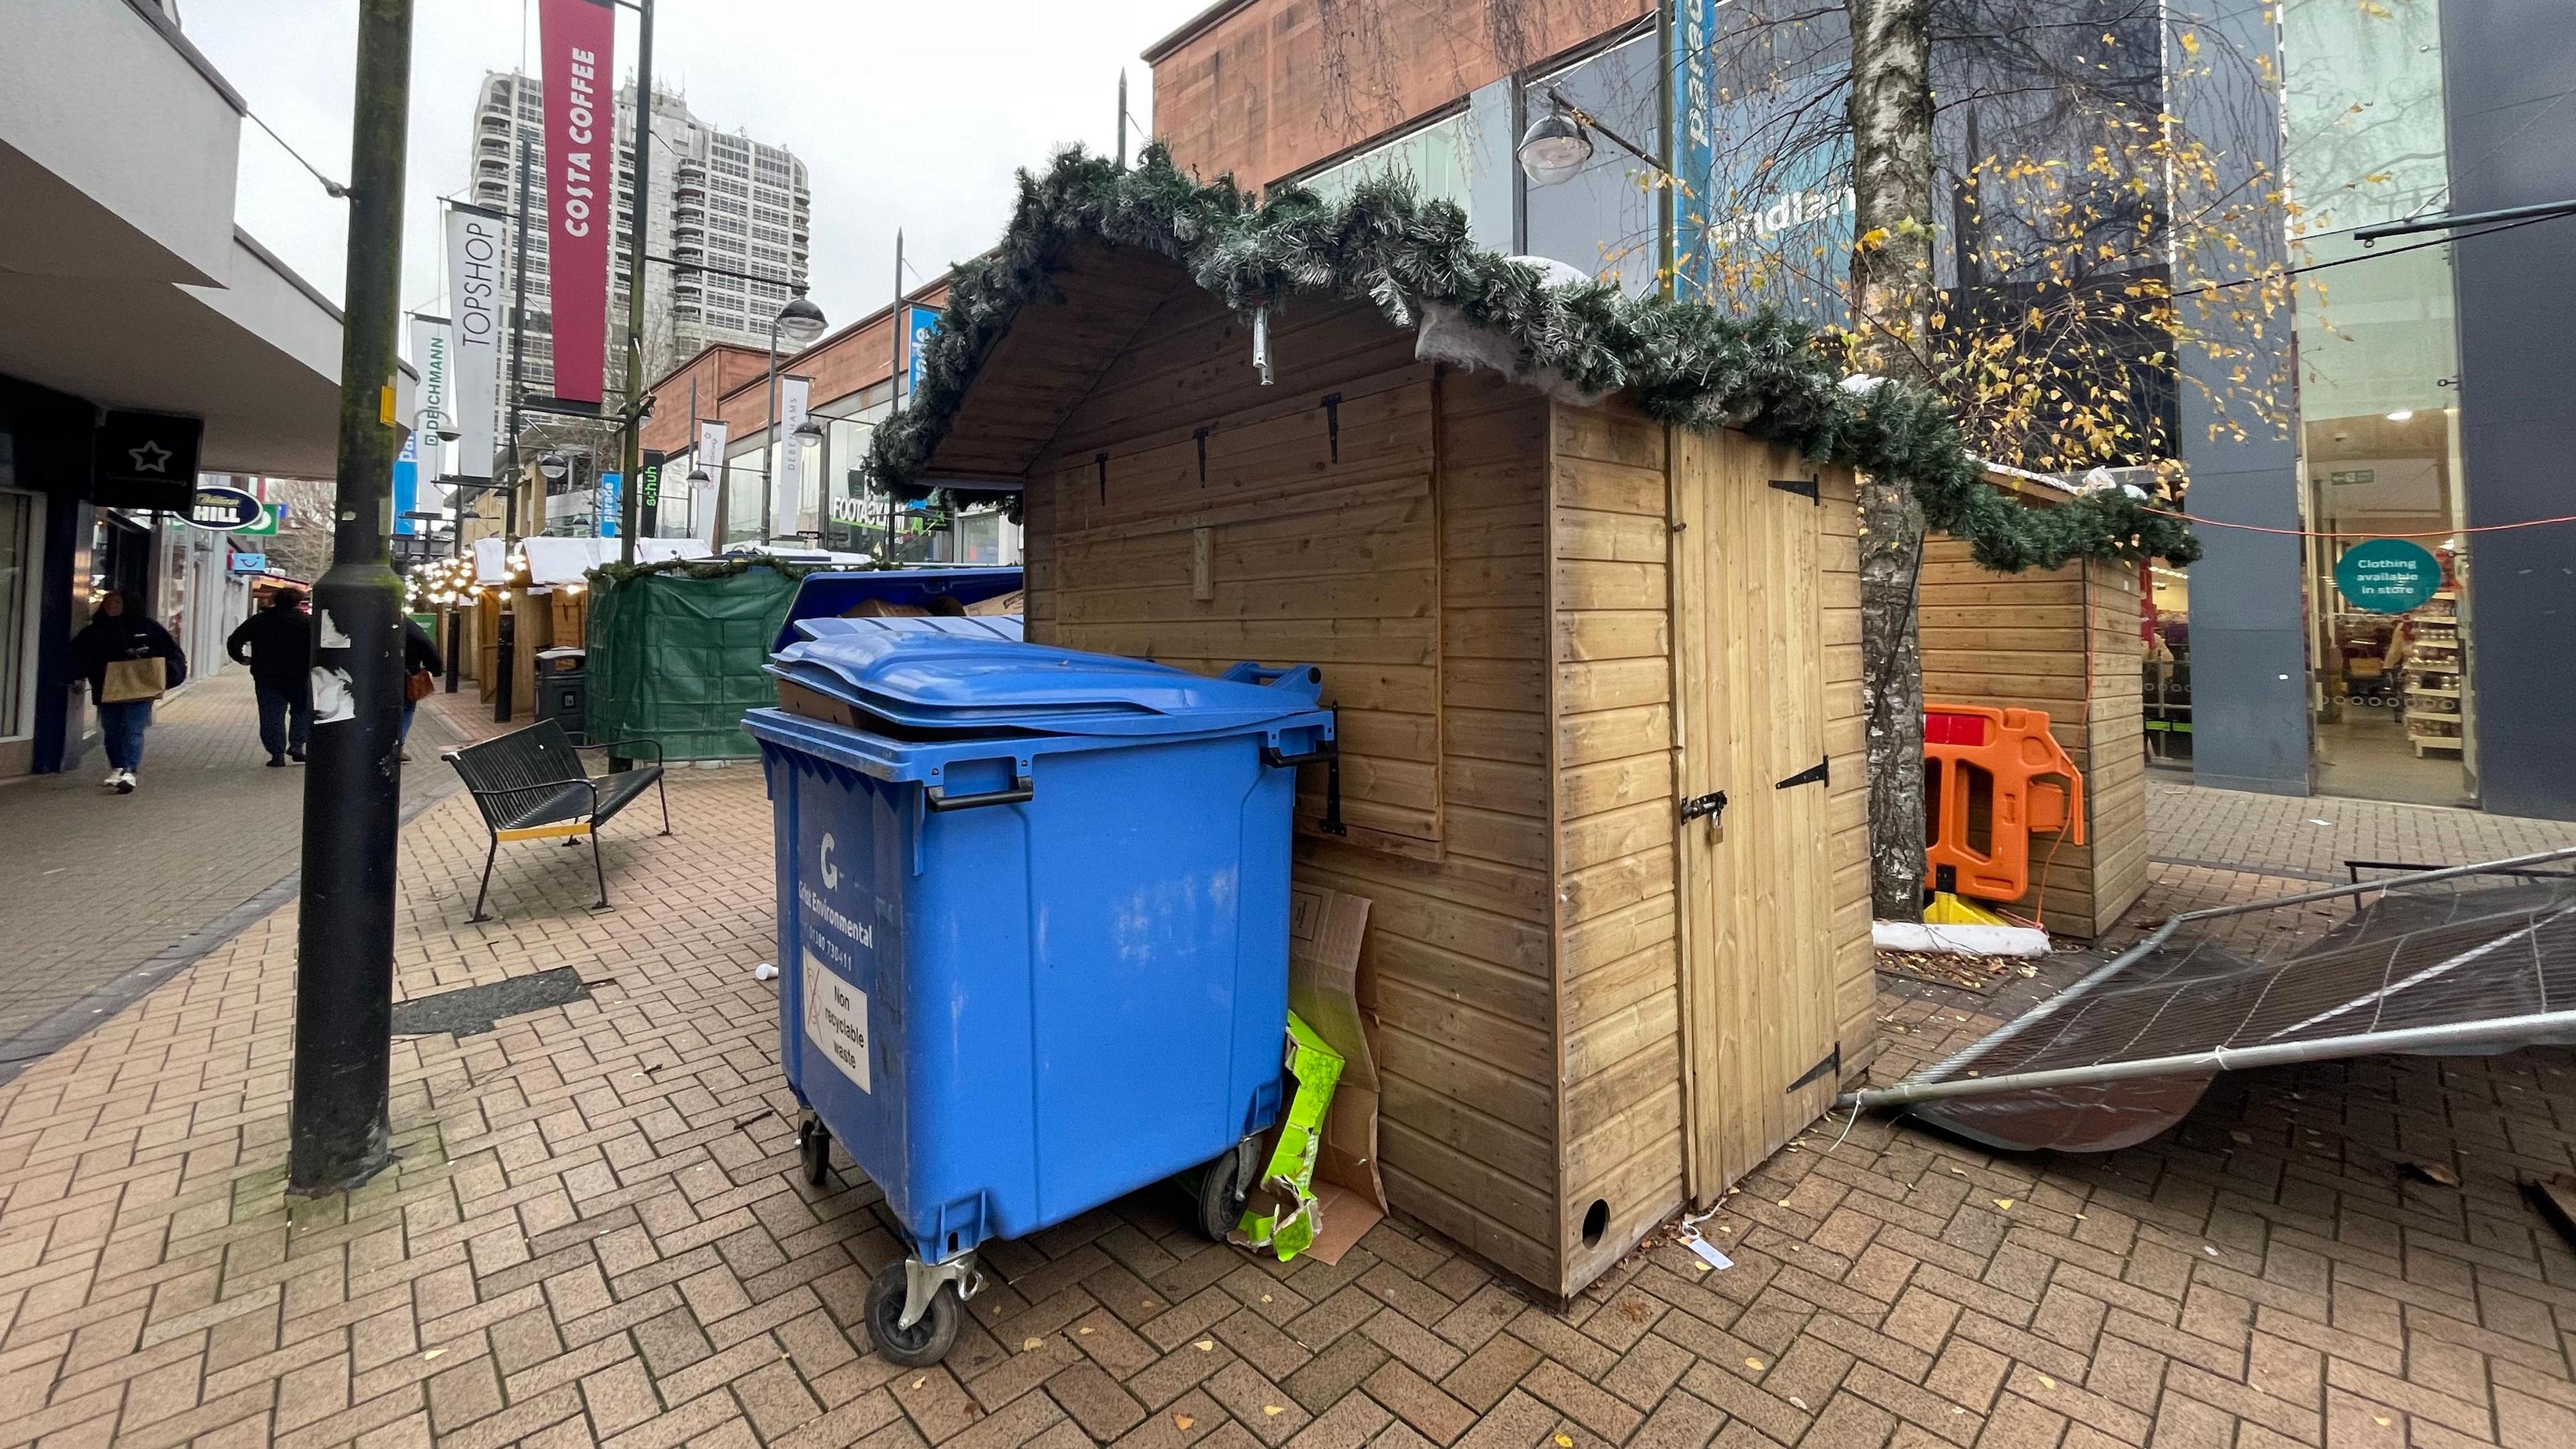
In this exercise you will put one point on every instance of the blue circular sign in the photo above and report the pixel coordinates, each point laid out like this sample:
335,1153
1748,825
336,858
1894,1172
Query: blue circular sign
2388,575
225,509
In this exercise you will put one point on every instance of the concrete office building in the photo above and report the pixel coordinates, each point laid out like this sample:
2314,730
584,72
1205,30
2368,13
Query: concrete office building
719,200
2424,393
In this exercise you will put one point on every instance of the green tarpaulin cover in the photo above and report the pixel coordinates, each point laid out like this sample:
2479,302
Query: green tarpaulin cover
677,660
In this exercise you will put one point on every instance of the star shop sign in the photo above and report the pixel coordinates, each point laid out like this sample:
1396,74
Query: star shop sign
146,460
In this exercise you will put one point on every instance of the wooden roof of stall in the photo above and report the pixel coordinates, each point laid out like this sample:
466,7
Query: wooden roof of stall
1051,358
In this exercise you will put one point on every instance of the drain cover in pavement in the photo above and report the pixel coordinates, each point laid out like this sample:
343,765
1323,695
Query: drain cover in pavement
469,1010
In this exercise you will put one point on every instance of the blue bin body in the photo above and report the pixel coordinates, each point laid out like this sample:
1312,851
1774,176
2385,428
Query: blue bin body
1012,1012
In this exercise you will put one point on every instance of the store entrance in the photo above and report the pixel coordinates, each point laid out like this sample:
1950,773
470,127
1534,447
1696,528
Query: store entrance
2389,681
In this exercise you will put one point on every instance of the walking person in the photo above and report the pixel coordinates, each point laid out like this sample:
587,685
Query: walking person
129,662
277,644
420,673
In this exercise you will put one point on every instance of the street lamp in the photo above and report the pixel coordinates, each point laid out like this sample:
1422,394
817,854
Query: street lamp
1554,149
554,466
799,322
439,425
1558,145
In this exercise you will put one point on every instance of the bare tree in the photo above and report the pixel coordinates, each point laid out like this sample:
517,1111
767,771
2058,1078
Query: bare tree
1892,296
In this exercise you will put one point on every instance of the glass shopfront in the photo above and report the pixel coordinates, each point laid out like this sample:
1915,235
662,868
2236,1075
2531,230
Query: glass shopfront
2381,485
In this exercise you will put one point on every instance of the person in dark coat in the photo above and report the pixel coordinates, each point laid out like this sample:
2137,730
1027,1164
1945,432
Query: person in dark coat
277,644
117,632
420,656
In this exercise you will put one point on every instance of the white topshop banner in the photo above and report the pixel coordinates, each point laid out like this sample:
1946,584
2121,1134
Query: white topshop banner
792,393
476,242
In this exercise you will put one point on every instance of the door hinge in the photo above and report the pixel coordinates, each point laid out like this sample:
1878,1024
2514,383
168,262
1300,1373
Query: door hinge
1712,805
1803,487
1831,1065
1820,773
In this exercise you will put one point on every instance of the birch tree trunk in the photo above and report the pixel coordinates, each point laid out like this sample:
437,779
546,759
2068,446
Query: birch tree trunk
1891,274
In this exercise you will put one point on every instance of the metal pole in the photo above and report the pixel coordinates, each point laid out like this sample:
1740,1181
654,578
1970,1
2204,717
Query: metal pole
770,447
1122,118
631,492
339,1128
895,379
1665,213
505,661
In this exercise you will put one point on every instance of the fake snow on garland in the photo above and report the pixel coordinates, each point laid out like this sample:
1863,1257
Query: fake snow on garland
1684,362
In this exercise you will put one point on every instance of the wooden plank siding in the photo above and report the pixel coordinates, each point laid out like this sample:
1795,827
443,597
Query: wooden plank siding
2065,641
1618,962
1396,541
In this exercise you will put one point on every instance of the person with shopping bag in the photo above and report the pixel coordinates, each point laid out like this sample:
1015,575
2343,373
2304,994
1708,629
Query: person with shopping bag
277,644
129,661
420,674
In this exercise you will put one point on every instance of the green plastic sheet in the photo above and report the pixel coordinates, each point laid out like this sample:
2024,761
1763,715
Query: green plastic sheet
1290,1173
677,660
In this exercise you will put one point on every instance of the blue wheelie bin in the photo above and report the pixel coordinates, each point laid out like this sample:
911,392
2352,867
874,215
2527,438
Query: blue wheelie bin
1033,931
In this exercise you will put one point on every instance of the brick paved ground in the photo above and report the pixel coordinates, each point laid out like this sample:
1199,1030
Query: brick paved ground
98,884
597,1234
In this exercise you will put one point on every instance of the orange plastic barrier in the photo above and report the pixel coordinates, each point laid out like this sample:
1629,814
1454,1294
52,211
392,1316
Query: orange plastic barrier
2005,761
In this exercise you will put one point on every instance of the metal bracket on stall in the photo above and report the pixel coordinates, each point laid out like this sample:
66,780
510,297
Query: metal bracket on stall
1712,805
921,1284
1333,423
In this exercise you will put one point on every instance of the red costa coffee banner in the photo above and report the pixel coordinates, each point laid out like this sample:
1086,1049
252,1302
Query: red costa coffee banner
581,162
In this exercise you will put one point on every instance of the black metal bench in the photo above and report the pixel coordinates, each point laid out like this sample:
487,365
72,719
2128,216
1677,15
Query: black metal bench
530,784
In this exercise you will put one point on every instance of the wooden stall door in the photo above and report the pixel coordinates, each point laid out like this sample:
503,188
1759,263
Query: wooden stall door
1757,958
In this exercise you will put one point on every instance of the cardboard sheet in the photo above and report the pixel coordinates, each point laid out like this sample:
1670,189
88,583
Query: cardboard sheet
1325,929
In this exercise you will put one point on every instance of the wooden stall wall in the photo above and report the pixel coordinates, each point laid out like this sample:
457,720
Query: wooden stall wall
1395,538
2032,641
1611,680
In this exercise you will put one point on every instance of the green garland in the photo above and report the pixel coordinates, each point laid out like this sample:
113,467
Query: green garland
616,575
1685,363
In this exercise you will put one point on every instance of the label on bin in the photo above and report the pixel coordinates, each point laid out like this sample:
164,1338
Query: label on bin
836,1019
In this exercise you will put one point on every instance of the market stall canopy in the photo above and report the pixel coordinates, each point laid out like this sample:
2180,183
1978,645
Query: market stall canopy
554,561
2469,960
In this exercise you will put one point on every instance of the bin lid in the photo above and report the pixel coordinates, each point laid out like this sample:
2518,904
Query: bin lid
827,593
958,683
987,626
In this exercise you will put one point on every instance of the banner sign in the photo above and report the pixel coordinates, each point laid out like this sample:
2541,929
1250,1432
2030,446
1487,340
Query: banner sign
423,450
918,321
648,523
611,504
267,525
792,392
250,563
1693,144
575,37
476,242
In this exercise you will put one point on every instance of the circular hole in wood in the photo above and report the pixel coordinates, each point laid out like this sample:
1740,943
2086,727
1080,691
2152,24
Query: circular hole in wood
1596,1221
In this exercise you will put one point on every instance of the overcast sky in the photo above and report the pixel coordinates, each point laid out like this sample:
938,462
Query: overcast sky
910,115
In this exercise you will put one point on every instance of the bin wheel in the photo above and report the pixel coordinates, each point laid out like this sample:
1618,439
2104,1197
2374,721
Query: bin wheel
1223,1185
814,1149
926,1342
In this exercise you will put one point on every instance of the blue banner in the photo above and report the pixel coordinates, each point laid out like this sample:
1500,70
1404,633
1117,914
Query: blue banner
406,482
917,322
610,504
1693,144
